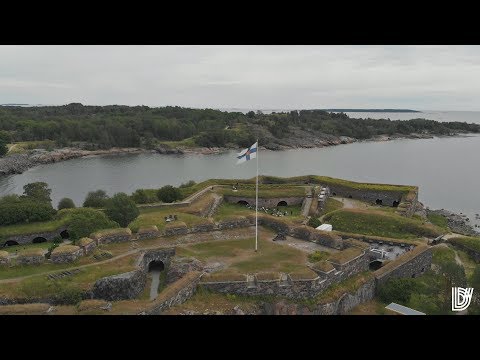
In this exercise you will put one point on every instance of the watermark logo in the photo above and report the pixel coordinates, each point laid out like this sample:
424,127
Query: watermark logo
461,298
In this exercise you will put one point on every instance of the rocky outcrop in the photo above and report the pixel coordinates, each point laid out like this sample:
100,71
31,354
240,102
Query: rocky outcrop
87,245
457,223
166,149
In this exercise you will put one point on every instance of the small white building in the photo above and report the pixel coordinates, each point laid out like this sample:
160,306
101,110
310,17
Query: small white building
325,227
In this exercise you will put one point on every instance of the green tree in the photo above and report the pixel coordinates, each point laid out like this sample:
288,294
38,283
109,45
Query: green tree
169,194
96,199
122,209
66,203
38,191
84,221
140,196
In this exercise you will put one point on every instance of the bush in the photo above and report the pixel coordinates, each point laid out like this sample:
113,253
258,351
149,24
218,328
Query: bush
122,209
14,210
397,290
169,194
314,222
68,296
145,196
84,221
96,199
66,203
317,256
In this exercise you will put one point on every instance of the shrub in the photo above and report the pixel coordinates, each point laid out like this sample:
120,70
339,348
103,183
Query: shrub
397,290
50,249
96,199
317,256
66,203
122,209
84,221
3,148
68,296
14,210
169,194
187,184
145,196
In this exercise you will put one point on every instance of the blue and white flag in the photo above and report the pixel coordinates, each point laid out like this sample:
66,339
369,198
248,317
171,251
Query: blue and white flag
247,154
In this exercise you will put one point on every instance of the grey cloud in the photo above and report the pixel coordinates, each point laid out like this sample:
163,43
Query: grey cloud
290,77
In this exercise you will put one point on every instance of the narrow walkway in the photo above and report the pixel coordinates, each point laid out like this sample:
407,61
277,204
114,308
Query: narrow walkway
155,274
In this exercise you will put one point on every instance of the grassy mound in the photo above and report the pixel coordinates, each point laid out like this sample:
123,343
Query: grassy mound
378,223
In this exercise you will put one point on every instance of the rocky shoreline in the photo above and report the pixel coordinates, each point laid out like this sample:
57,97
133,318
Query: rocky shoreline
19,163
458,223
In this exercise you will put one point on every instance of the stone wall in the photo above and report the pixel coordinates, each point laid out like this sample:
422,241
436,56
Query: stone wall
324,238
176,293
266,202
28,238
176,228
58,256
180,266
411,264
286,286
202,227
129,285
342,305
30,259
87,245
234,222
120,287
148,232
115,236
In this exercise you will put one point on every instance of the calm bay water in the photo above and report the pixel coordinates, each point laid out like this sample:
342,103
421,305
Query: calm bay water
445,169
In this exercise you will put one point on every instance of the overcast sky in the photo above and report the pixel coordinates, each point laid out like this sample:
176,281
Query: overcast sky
247,77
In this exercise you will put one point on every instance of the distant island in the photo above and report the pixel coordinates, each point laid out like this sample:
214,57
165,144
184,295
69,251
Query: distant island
374,110
79,130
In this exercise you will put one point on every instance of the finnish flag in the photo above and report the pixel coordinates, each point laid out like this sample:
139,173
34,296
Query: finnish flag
247,154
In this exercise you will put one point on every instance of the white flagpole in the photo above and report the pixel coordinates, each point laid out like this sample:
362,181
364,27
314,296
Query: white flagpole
256,205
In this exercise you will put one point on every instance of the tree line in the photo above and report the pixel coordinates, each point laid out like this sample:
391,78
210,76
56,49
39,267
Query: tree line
142,126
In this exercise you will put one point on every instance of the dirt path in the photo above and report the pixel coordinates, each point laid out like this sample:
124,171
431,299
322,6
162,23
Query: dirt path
457,258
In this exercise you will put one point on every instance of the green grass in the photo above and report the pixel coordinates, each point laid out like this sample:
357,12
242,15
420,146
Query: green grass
317,256
379,223
438,220
329,181
331,205
29,228
242,258
156,216
228,210
41,286
265,191
469,242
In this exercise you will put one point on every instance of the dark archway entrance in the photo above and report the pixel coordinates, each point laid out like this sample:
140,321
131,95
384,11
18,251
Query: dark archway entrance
10,243
350,196
375,265
334,194
156,265
396,203
242,202
64,234
379,201
38,240
282,203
